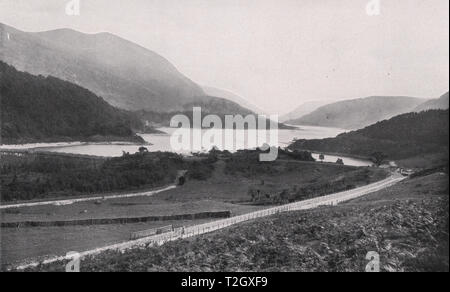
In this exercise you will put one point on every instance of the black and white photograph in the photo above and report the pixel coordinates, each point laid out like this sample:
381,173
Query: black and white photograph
223,142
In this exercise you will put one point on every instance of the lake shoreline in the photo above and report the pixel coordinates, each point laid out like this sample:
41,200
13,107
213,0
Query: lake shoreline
94,140
160,141
343,155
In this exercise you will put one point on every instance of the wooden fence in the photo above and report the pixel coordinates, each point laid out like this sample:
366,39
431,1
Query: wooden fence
180,233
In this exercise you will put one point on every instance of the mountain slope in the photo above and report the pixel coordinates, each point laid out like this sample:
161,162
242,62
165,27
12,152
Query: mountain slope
440,103
211,91
359,113
47,109
401,137
304,109
209,105
125,74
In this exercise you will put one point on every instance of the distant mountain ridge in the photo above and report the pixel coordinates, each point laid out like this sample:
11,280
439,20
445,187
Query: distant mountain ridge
404,136
440,103
123,73
302,110
47,109
359,113
212,91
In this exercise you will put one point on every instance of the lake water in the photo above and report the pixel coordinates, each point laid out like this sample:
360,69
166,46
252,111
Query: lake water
162,142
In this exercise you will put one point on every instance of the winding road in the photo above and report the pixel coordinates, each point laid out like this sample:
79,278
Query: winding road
195,230
85,199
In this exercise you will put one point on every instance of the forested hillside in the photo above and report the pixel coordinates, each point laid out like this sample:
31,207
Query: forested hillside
44,109
401,137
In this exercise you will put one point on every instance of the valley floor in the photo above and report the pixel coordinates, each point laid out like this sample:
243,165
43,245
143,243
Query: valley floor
407,224
227,189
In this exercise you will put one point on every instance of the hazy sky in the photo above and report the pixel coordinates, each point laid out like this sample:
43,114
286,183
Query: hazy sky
275,53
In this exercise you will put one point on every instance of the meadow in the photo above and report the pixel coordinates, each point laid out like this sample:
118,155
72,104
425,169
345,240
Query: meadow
214,183
407,224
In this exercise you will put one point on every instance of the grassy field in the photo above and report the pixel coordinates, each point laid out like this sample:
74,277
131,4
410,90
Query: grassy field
223,190
220,192
232,182
407,224
19,244
118,208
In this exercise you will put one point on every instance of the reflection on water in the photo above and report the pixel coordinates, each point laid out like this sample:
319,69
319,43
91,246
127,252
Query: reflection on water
346,160
161,142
